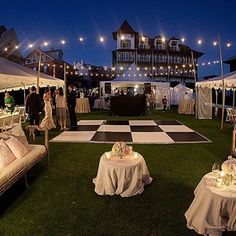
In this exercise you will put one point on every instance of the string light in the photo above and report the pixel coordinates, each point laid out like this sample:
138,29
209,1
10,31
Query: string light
199,42
228,45
31,45
81,39
5,49
101,39
17,46
45,43
63,42
183,39
214,43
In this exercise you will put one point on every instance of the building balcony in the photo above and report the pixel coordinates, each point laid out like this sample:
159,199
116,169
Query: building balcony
143,46
125,59
160,47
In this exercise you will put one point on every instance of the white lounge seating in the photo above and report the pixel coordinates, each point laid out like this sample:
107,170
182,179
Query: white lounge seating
16,169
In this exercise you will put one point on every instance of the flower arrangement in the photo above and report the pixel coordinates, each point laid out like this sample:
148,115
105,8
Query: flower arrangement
121,149
229,166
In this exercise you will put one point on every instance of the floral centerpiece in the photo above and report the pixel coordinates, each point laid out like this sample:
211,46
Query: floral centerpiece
229,166
121,149
228,170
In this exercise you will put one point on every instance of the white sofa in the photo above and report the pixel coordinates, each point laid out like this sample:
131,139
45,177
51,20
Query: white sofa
16,169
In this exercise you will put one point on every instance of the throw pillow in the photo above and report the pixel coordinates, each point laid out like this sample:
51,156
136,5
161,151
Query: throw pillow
6,156
19,133
17,148
4,135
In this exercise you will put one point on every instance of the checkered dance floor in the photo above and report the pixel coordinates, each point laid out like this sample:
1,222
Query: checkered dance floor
132,131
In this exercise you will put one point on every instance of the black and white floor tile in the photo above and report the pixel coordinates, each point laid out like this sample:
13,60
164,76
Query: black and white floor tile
132,131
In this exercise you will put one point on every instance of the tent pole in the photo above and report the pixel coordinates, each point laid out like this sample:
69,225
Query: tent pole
194,69
223,83
196,102
39,69
233,98
195,81
24,93
65,87
216,106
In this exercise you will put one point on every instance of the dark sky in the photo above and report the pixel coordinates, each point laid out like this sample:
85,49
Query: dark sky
55,20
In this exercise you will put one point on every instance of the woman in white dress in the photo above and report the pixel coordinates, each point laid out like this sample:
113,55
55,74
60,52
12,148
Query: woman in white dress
47,122
61,109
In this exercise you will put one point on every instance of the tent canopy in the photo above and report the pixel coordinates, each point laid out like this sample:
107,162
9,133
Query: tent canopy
204,93
182,88
229,81
16,76
178,92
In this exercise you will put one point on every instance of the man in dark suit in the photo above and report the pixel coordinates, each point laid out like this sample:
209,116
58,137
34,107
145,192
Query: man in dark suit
71,103
33,106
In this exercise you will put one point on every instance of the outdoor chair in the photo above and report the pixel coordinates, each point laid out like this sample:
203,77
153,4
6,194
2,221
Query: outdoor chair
231,115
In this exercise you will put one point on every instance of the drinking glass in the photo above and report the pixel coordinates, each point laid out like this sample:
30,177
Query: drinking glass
216,167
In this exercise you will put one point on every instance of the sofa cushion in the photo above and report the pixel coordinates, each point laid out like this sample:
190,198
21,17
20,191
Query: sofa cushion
35,154
17,148
6,156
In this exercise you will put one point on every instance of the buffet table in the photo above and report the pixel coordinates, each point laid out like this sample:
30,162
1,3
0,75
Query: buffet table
128,105
82,105
125,177
213,209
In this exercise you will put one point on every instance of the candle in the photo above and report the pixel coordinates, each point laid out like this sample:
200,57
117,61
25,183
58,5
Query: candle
136,156
108,155
222,173
218,181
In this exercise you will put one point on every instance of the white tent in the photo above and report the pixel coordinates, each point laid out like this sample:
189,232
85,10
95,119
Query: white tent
177,93
204,93
16,76
133,77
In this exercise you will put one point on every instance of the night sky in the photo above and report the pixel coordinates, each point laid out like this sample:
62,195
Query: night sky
55,20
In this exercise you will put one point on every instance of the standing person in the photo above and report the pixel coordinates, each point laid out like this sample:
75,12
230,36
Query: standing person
71,103
151,101
54,105
33,107
9,102
61,108
164,103
47,122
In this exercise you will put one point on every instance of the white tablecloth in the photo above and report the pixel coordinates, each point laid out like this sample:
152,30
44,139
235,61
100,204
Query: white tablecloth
82,105
213,209
186,106
125,177
100,103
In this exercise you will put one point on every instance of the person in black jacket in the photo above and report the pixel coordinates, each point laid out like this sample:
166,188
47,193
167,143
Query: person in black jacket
71,103
33,106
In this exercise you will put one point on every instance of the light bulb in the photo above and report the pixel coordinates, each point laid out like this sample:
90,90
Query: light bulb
199,42
214,43
101,39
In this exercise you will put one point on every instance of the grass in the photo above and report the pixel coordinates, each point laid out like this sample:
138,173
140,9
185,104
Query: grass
61,198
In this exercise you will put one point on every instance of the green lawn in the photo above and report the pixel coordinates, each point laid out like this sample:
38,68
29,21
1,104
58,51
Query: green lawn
61,198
